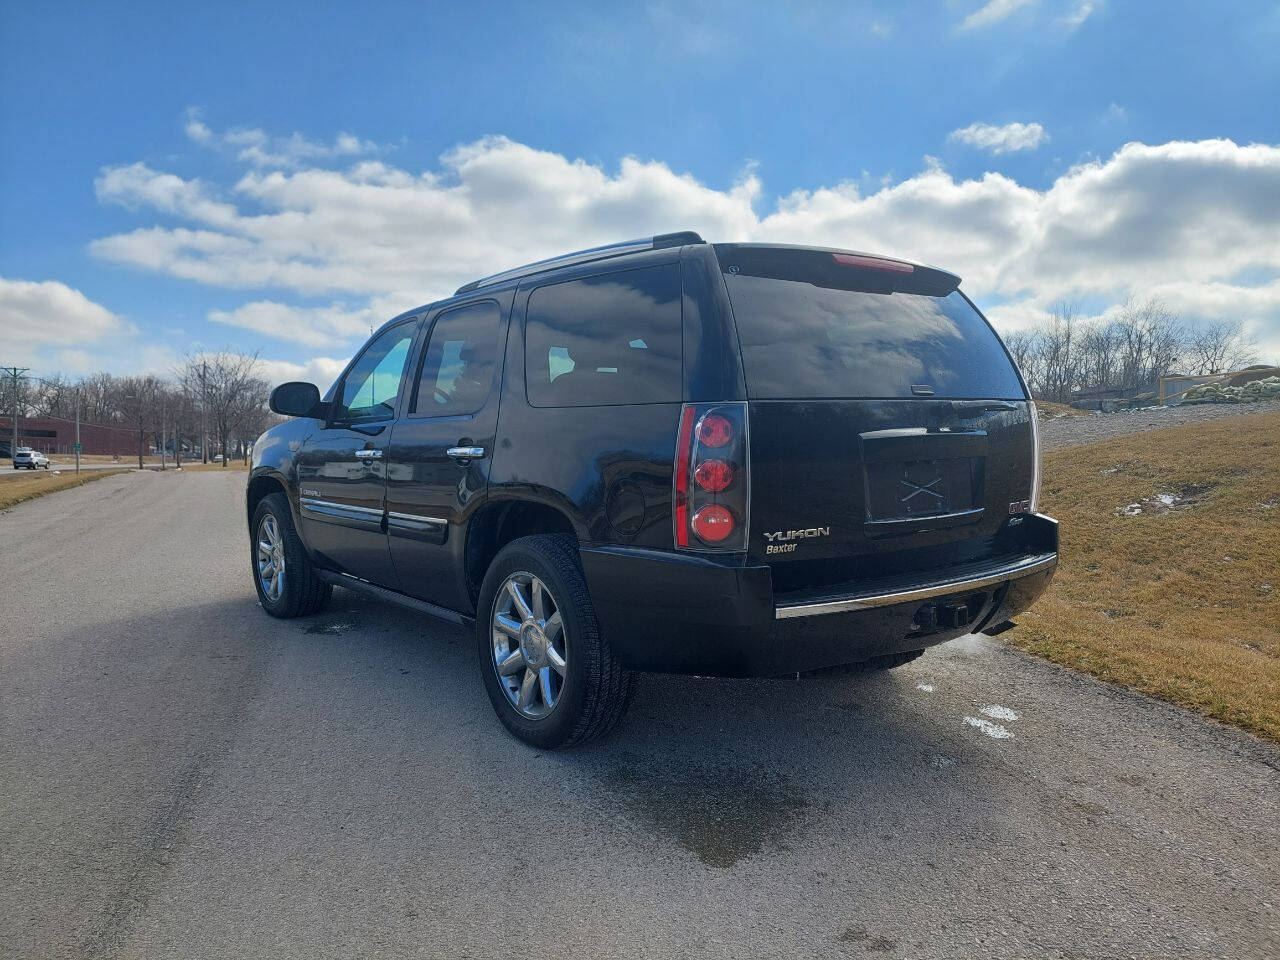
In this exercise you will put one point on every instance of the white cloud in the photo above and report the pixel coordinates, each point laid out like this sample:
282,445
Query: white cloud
1009,138
1079,12
54,328
1177,217
36,316
255,146
321,371
326,326
376,229
991,12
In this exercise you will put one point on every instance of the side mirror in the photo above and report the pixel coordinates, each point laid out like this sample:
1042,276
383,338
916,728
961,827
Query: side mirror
296,399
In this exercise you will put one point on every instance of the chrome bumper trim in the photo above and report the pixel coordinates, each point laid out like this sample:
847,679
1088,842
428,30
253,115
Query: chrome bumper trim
1009,571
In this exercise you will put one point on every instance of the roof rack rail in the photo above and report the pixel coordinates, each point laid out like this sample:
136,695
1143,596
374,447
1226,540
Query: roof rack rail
657,242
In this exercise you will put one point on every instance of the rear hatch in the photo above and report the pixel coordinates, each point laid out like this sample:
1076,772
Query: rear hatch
890,432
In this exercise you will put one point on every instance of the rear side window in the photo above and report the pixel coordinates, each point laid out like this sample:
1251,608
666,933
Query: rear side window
606,340
820,329
457,368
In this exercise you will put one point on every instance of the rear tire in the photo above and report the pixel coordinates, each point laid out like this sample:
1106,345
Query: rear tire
298,591
586,689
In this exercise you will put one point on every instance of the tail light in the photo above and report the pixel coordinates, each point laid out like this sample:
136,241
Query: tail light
711,480
1035,447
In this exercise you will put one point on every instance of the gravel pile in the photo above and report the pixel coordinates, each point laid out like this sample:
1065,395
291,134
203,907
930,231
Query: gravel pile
1070,431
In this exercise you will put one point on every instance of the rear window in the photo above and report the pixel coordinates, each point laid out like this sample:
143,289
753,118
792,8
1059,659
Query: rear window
606,340
810,327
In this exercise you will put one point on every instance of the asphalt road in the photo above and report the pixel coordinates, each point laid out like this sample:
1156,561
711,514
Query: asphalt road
181,776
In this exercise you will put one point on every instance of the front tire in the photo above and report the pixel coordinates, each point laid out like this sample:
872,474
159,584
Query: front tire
283,574
549,672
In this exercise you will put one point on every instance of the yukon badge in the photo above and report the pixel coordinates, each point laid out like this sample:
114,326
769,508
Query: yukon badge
780,541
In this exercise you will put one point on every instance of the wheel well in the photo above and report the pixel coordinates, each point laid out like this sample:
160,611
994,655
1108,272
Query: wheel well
498,524
260,487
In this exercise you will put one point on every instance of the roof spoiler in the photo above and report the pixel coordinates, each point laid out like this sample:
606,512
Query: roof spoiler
656,242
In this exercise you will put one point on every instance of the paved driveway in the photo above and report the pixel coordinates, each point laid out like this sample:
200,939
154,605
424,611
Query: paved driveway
184,777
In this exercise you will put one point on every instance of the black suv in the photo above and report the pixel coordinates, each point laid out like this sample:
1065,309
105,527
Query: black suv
721,459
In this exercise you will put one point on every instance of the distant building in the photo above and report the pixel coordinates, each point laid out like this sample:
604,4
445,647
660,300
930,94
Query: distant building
54,435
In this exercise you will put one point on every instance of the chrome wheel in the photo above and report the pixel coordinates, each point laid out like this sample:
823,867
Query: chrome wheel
270,558
530,655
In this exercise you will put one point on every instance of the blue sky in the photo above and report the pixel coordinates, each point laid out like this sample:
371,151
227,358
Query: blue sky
277,176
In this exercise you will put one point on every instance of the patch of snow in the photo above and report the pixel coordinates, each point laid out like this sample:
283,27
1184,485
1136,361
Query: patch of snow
926,687
998,713
992,730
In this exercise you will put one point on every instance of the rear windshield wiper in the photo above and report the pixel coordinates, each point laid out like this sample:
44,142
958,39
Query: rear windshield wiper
968,409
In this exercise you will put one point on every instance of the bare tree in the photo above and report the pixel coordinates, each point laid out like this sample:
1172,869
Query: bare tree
1150,338
250,416
1023,346
138,400
1099,368
1060,352
1217,347
1142,342
51,397
227,382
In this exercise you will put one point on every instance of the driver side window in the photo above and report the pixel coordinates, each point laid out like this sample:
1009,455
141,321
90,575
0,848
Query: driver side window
372,385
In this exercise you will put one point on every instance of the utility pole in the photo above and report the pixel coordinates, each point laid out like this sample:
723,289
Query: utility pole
204,438
177,429
16,373
77,431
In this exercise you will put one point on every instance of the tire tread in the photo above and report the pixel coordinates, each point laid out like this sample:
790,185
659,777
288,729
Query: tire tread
305,592
609,685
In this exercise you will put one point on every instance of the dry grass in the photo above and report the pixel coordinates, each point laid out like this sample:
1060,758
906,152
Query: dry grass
231,465
1182,604
36,484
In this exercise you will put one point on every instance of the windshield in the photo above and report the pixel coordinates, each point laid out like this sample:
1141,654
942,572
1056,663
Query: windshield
875,335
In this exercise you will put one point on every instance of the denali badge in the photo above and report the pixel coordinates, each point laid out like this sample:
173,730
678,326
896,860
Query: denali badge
777,538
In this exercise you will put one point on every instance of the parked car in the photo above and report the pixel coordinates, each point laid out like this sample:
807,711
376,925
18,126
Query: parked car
30,459
668,455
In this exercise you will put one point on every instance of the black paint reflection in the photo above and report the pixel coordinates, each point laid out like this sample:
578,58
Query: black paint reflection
802,341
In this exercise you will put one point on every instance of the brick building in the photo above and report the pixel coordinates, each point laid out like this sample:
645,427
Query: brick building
53,435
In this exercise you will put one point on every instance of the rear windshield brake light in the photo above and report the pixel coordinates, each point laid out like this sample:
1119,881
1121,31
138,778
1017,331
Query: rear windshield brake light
872,263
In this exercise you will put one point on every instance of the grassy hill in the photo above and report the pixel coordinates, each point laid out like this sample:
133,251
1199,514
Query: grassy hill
1170,574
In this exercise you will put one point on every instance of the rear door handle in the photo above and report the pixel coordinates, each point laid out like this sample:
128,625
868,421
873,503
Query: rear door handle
369,454
465,453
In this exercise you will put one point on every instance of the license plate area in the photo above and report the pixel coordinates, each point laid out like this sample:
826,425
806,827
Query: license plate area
913,489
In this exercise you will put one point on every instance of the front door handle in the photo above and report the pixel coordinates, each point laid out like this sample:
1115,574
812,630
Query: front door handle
369,454
465,453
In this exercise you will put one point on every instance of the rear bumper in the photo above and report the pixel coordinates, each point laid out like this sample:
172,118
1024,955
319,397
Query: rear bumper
681,613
